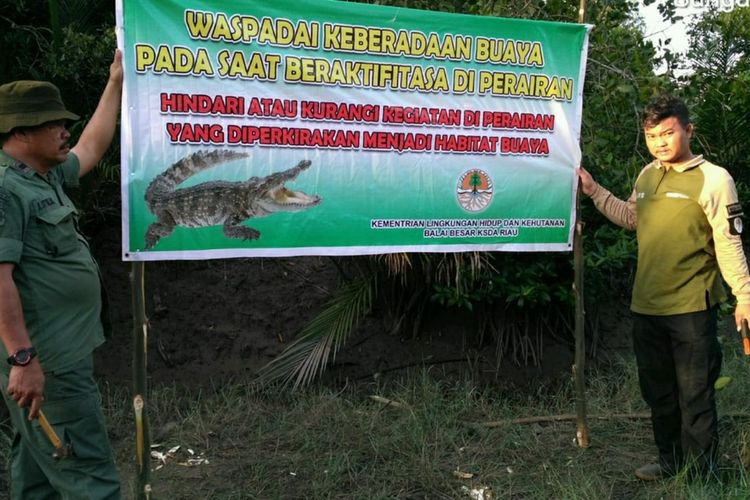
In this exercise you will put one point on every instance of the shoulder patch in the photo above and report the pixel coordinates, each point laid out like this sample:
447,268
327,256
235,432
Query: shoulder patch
734,216
734,210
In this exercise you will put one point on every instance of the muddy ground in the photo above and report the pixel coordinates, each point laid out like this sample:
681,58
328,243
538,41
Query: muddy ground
218,320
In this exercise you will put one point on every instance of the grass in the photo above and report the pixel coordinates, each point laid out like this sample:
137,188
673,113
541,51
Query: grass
323,443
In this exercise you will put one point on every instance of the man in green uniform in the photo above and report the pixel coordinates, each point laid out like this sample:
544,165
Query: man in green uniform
688,222
50,292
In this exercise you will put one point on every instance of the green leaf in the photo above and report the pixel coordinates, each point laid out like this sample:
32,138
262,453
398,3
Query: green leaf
320,340
722,382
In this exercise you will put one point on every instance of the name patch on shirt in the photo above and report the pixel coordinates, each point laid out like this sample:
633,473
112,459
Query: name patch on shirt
43,203
734,216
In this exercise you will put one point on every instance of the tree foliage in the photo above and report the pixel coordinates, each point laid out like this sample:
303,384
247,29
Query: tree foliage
70,42
718,89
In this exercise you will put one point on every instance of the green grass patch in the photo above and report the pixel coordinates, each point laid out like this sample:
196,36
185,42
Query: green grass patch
429,442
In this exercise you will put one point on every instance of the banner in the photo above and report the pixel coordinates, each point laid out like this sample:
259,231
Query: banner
318,127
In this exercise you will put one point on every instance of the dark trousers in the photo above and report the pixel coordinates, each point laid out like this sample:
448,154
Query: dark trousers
73,407
679,359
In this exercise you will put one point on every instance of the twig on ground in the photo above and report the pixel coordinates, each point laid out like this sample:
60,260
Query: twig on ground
389,402
570,417
412,365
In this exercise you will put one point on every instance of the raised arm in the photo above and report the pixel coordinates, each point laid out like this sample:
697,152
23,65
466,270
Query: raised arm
621,212
98,134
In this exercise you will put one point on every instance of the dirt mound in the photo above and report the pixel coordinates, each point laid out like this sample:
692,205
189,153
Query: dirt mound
217,320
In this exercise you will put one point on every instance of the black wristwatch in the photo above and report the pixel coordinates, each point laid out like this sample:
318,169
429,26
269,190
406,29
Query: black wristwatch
22,357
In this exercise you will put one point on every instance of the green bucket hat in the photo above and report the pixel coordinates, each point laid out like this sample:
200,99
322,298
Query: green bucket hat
28,103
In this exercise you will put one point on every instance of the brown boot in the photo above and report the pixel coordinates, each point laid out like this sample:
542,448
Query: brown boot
649,472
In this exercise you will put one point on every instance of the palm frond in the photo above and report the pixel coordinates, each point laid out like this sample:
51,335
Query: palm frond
456,269
397,264
319,341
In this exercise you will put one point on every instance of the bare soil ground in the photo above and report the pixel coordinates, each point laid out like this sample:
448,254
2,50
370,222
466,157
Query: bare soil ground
217,322
222,320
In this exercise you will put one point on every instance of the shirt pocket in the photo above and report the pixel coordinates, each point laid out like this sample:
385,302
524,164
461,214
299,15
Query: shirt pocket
57,231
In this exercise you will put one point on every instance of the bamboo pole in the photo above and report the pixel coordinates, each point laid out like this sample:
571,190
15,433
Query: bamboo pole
582,426
582,12
140,382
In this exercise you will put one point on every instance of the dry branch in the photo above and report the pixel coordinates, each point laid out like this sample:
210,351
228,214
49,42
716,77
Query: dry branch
389,402
569,417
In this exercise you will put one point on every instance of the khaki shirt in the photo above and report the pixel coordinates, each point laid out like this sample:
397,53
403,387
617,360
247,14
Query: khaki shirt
57,278
686,221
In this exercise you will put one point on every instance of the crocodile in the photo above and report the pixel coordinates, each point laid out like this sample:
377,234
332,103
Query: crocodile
219,202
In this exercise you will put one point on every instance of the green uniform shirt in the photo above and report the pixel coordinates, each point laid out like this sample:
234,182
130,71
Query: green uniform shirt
677,267
686,222
56,276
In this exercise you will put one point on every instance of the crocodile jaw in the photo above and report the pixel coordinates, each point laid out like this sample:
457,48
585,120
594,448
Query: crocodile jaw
282,199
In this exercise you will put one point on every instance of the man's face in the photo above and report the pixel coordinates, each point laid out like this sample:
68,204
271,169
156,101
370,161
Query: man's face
669,141
49,143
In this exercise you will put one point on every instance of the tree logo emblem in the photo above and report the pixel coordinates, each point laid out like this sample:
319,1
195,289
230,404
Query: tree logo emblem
474,191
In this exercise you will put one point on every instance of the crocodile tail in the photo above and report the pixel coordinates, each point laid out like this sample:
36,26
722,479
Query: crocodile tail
185,168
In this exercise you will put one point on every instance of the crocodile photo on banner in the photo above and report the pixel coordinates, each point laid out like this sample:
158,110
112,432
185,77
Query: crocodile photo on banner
219,202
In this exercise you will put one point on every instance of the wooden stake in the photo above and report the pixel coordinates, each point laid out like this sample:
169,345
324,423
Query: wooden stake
582,12
140,381
582,426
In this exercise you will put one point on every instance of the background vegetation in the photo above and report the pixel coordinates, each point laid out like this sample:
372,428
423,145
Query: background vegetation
517,302
70,42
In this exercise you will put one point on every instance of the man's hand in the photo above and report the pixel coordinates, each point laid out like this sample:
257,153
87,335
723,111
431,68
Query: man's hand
115,69
25,383
26,386
588,184
742,311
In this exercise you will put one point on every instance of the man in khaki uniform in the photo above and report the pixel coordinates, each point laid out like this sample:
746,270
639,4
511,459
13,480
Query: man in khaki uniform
50,292
688,222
